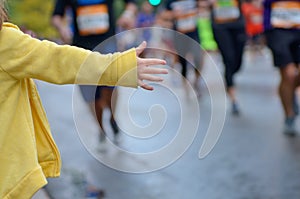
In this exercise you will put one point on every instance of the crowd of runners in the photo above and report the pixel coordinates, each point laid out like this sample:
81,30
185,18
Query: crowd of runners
224,26
230,26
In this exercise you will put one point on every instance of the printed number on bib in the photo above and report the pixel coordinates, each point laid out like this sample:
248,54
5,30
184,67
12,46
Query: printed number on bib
92,19
226,10
285,14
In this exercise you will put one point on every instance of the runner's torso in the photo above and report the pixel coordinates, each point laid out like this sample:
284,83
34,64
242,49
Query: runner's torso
227,13
282,14
93,21
185,13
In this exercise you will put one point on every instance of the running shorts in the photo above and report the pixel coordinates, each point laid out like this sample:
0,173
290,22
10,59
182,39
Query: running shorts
91,93
285,46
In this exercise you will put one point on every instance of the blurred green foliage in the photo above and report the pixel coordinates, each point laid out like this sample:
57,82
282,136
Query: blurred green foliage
34,15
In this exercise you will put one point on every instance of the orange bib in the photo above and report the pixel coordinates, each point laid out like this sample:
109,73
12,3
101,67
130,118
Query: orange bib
92,20
285,14
186,15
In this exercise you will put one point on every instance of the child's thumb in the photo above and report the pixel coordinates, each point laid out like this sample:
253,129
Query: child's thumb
141,48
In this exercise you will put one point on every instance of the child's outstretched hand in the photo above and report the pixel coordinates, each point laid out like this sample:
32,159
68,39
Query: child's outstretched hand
145,72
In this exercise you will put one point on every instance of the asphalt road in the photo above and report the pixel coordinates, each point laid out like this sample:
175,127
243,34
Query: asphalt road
252,159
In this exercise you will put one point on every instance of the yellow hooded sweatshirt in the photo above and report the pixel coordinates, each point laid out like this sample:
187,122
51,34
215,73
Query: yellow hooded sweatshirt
28,154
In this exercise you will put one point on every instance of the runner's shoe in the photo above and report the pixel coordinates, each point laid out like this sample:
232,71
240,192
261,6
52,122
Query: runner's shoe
102,137
289,126
235,109
94,193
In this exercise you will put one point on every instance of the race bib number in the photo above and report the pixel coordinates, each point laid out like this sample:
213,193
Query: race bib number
226,10
93,19
285,14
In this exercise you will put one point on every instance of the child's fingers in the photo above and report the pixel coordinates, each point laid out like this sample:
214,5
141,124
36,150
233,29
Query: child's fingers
152,70
151,61
151,78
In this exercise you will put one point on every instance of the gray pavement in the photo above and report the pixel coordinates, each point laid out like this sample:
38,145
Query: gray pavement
251,160
41,194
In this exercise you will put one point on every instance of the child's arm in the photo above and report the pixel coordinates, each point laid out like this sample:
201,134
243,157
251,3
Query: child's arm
26,57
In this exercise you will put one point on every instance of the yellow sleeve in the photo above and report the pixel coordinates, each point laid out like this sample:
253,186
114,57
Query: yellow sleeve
25,57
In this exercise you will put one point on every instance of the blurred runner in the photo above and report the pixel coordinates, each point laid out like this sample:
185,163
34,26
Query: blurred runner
282,30
253,12
94,23
229,32
204,27
162,38
145,18
185,14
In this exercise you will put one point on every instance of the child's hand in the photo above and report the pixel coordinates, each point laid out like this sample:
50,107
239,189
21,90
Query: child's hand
145,72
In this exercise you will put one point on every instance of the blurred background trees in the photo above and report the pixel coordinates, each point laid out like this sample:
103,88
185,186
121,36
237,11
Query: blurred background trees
34,15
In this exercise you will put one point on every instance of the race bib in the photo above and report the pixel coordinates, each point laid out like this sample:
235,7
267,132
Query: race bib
92,20
186,23
186,15
226,11
285,14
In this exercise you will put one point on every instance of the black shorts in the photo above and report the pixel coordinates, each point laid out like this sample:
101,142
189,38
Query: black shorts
285,46
92,93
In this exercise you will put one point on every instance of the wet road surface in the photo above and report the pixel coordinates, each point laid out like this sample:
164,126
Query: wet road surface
251,160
